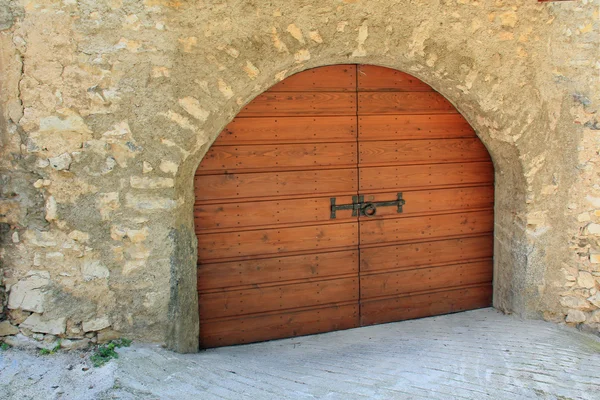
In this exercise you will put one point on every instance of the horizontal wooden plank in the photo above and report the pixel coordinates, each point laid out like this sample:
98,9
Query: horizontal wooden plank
280,269
262,213
227,186
375,78
405,256
422,151
240,157
433,201
424,305
270,104
403,103
259,328
403,127
288,129
275,241
229,303
425,279
422,176
426,227
331,78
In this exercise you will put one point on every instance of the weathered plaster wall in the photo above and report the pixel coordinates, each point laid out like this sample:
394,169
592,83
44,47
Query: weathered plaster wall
108,107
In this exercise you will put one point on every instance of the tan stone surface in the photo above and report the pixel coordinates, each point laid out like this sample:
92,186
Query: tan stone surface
125,100
7,329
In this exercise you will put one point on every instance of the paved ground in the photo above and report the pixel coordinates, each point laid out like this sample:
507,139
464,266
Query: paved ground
474,355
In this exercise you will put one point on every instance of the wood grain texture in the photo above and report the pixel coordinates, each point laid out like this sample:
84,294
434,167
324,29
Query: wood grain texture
268,184
443,251
270,104
263,327
377,103
277,156
400,152
403,127
282,240
265,213
262,271
425,305
332,78
229,303
435,201
400,178
381,79
313,129
380,231
425,279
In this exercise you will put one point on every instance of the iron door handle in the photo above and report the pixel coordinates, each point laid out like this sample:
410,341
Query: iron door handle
366,209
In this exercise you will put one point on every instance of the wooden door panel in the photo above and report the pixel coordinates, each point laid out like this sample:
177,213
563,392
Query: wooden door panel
403,103
399,178
336,78
267,213
308,267
273,184
258,328
237,245
424,279
262,299
425,227
315,129
373,78
239,158
403,127
435,201
424,305
272,263
400,152
300,103
411,255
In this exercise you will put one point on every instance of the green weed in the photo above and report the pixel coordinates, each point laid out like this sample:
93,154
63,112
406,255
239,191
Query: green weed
45,352
5,346
106,352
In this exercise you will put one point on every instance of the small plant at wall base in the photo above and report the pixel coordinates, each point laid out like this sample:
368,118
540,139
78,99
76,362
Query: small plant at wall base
4,346
45,352
106,352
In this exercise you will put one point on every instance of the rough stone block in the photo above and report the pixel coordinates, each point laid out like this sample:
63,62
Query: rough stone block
575,316
61,162
27,294
594,318
21,341
595,299
75,344
94,270
574,302
150,203
17,316
107,335
593,229
96,324
36,323
586,280
144,182
7,329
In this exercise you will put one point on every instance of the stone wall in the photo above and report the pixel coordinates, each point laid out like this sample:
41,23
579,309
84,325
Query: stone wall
107,108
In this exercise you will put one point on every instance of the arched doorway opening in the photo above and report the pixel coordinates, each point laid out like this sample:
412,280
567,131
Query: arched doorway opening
344,196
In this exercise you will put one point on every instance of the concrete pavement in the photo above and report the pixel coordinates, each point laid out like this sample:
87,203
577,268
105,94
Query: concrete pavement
480,354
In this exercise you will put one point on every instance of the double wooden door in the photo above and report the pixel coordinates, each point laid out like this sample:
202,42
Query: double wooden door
344,196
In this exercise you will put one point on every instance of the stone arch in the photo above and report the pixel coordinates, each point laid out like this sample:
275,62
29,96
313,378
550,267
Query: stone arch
515,286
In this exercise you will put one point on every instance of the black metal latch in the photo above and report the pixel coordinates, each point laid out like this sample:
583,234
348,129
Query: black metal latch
368,208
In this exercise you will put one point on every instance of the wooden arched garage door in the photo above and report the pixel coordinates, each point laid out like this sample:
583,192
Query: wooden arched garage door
344,196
